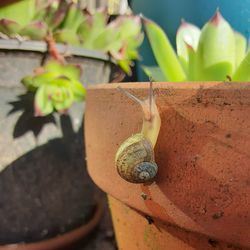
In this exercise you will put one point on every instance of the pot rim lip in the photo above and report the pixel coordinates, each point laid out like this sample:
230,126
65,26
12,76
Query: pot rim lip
213,85
41,46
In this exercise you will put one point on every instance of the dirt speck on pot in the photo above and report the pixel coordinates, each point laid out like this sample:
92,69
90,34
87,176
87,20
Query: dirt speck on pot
218,215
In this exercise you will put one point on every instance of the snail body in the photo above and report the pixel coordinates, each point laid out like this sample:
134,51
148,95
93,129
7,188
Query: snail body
135,161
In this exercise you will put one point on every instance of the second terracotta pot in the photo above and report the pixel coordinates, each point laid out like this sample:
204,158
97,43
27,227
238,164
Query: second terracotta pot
202,191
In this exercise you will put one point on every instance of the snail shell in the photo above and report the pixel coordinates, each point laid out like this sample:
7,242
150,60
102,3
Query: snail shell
135,160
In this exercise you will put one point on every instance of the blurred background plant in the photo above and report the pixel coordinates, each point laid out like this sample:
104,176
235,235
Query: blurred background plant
214,53
54,47
75,23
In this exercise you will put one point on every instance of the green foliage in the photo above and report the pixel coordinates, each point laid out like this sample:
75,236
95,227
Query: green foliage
70,25
92,27
214,53
56,87
126,39
37,30
164,53
21,12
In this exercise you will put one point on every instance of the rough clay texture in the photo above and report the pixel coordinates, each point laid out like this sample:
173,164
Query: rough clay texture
203,184
153,234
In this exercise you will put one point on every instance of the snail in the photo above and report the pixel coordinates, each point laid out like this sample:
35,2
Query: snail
134,160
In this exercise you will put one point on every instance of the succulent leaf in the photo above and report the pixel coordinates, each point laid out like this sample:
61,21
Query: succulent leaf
57,14
44,78
78,90
187,34
240,47
35,30
163,52
92,28
73,18
34,82
73,72
216,47
105,40
217,72
27,81
53,66
126,40
9,27
57,86
243,71
191,66
43,104
66,36
61,94
22,12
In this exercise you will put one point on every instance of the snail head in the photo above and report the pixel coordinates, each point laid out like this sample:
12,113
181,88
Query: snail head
146,104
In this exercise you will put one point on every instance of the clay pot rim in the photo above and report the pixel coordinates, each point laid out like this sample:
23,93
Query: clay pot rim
174,85
64,239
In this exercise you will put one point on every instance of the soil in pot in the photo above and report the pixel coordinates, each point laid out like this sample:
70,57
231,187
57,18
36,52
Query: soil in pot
46,192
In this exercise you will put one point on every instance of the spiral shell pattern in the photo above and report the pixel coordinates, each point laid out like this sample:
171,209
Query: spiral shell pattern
135,160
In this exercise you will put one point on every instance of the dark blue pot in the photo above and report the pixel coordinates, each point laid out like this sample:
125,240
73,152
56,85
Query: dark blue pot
168,13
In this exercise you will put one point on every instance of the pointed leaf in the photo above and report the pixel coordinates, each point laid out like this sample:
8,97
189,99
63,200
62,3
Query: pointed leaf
125,66
243,71
78,90
54,66
35,30
34,82
218,72
73,18
57,15
43,104
163,52
240,47
105,40
73,72
21,12
216,47
88,32
187,34
28,83
59,93
43,79
9,27
67,36
191,66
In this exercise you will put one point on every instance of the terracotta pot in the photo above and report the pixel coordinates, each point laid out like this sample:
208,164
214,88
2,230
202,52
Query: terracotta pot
201,196
62,241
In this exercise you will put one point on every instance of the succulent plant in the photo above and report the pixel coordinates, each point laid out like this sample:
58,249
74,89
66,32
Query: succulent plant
56,84
214,53
56,87
67,23
126,40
